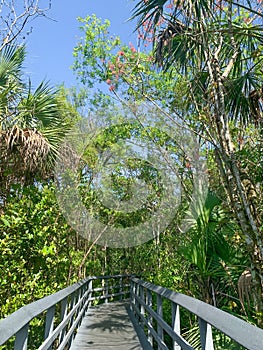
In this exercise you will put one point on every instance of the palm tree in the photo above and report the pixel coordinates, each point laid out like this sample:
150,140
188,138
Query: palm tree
31,124
218,47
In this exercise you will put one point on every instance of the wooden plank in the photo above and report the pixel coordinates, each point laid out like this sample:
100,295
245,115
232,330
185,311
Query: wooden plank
107,326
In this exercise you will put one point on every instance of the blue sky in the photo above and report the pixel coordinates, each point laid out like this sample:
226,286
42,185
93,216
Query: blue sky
51,43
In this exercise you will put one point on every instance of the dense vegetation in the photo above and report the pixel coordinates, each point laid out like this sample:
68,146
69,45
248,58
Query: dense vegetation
200,73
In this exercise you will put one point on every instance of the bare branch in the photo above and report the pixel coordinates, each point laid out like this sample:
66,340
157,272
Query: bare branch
15,17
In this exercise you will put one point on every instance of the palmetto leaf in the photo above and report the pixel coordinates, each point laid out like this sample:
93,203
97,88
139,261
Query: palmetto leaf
206,246
40,110
151,10
176,39
39,107
174,47
32,123
239,98
11,60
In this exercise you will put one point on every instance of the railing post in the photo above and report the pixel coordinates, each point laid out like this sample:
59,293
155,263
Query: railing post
137,292
80,297
206,335
49,325
132,288
160,313
149,317
121,287
107,290
176,323
21,338
73,302
63,314
89,292
77,299
141,290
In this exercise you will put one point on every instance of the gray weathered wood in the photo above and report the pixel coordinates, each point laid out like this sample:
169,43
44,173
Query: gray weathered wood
107,326
74,302
176,323
21,338
114,324
243,333
160,314
49,325
168,329
149,317
206,335
17,320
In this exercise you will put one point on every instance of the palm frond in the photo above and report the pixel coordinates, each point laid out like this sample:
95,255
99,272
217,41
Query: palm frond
39,108
173,45
243,96
151,11
11,61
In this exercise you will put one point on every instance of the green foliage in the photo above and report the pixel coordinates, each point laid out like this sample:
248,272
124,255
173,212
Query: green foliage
41,254
36,246
101,58
93,50
207,243
209,249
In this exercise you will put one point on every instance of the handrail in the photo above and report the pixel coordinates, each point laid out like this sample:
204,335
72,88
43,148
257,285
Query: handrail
18,319
146,304
142,293
72,303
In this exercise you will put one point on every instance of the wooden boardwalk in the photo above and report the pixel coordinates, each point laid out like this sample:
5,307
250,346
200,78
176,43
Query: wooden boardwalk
107,326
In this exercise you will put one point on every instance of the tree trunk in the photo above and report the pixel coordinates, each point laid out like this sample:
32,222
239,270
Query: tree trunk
236,193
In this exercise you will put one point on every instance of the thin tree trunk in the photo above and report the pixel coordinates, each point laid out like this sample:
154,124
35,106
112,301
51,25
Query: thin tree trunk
231,172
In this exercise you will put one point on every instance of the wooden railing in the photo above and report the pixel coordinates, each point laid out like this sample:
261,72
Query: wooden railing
154,310
62,312
147,304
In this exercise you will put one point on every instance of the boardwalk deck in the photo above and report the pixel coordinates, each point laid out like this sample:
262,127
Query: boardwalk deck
107,326
131,325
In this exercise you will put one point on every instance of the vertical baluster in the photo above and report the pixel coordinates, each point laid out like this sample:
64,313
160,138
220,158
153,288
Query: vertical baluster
206,335
63,314
160,313
77,298
132,292
21,338
107,291
137,292
80,298
79,294
90,292
49,325
176,323
121,287
149,317
142,311
73,302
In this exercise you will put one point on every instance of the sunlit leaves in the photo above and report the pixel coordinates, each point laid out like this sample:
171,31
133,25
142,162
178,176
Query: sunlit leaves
93,50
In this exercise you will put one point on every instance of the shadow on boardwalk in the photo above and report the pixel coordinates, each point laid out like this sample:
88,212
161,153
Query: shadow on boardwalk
107,326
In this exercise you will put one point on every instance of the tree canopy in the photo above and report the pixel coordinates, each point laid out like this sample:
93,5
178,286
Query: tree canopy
171,125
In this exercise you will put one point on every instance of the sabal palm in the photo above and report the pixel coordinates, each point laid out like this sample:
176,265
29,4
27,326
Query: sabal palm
31,126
